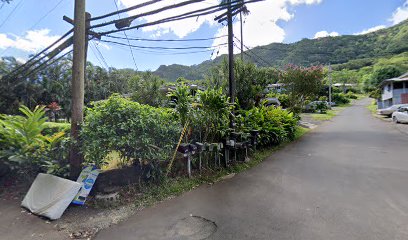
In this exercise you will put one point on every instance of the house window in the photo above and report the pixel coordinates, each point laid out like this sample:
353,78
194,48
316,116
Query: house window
389,87
398,85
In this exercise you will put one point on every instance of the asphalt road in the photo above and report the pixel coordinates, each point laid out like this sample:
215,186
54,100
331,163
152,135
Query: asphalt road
347,179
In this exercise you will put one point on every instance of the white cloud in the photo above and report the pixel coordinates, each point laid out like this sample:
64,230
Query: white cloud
32,41
21,60
323,34
373,29
260,26
400,14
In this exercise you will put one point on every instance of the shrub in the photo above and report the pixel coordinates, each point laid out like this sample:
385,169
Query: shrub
275,125
51,128
23,146
340,98
211,115
350,95
134,130
322,107
282,97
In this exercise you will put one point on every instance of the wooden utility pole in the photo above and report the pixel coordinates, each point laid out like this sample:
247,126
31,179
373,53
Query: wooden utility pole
242,37
78,79
330,87
231,60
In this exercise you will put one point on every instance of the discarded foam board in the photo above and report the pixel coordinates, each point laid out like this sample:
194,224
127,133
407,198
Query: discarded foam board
49,195
87,179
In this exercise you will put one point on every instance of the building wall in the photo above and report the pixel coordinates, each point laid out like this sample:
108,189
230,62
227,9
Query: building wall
391,96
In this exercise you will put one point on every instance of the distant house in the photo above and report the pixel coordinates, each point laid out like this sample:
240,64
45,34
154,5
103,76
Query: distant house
275,87
394,91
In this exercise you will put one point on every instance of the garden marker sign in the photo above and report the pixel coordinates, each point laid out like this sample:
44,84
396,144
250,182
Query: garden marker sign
87,179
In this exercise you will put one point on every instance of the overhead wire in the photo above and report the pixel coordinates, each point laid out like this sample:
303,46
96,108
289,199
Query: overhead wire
46,14
164,48
159,10
11,13
32,60
126,9
95,54
254,57
167,40
124,32
101,56
252,52
152,52
191,14
37,22
43,64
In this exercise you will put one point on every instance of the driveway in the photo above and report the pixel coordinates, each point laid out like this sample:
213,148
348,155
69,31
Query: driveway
347,179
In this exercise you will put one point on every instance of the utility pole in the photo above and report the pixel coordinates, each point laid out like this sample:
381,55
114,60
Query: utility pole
78,78
231,60
242,37
330,87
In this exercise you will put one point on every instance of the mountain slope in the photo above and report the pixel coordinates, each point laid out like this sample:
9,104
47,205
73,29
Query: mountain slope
335,50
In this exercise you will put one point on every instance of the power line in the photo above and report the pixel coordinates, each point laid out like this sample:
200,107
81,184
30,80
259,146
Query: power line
38,21
29,63
42,65
197,13
96,55
163,48
11,13
131,18
131,50
167,40
126,9
152,52
250,51
46,14
101,56
252,56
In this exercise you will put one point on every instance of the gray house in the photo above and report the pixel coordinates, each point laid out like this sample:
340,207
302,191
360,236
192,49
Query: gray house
394,91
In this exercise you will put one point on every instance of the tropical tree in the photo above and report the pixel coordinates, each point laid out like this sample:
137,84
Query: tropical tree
301,84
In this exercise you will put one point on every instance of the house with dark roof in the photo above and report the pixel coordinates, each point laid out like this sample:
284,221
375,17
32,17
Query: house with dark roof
394,91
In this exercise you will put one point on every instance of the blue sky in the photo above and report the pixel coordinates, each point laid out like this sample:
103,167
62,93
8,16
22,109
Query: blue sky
28,26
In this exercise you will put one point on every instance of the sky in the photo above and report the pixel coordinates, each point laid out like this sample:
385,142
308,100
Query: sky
28,26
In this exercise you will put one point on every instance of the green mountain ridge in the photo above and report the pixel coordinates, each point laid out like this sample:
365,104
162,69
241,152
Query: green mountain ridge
347,51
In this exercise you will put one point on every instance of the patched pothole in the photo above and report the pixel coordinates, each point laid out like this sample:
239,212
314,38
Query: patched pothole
193,228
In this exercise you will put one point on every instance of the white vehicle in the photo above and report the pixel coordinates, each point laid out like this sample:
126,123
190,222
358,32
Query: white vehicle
389,110
401,115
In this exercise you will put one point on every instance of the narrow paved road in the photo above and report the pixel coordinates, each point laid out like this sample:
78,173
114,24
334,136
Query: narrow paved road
348,179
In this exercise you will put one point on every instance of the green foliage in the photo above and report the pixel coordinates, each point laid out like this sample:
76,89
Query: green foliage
210,117
145,89
274,124
351,52
51,128
134,130
340,98
24,147
250,81
301,84
351,95
322,107
282,97
384,73
181,98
